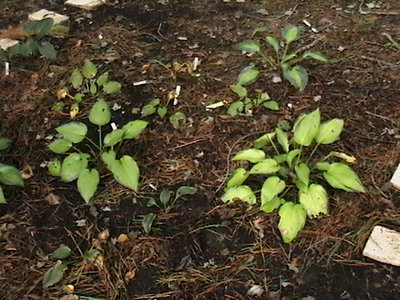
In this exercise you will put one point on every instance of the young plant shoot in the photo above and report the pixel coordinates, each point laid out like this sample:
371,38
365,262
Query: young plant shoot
288,167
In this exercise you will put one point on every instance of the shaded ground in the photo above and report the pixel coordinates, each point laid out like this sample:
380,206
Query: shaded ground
202,249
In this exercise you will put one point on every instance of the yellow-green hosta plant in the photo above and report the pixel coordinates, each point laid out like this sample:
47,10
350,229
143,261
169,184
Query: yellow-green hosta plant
281,57
292,176
76,165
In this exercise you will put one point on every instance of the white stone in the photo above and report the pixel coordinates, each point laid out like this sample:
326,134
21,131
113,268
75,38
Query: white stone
44,13
86,4
7,43
383,245
395,181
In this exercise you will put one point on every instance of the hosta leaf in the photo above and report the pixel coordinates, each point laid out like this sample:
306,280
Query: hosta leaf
307,128
2,198
316,55
88,181
126,172
292,220
288,57
341,176
61,252
264,167
4,143
282,139
242,192
148,110
235,108
113,138
250,46
54,274
93,88
108,158
73,131
76,79
39,27
165,197
177,118
162,111
238,90
60,146
73,165
303,173
270,206
155,102
47,50
133,129
239,176
185,190
272,187
273,42
291,156
314,200
102,79
264,140
148,221
100,114
252,155
89,70
258,29
329,131
112,87
272,105
297,76
54,167
10,175
248,75
291,33
280,158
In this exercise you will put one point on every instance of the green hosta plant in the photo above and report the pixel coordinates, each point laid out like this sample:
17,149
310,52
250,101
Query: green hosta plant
281,57
291,176
76,166
9,175
156,107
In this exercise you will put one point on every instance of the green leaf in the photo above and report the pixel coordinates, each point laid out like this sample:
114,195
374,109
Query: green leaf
4,143
78,97
280,158
297,76
148,110
73,131
54,167
264,140
235,108
29,48
112,87
238,90
93,87
250,46
40,28
291,156
265,167
272,105
102,79
108,158
114,137
239,176
185,190
60,146
248,75
61,252
273,42
89,70
2,198
88,181
133,129
162,111
341,176
154,102
252,155
47,50
54,274
177,118
270,206
126,172
271,188
288,57
316,55
73,165
76,79
242,192
258,29
303,173
100,114
291,33
282,139
10,175
165,197
307,128
292,220
148,221
314,200
329,131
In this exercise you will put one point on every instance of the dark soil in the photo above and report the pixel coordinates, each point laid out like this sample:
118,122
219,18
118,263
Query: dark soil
201,248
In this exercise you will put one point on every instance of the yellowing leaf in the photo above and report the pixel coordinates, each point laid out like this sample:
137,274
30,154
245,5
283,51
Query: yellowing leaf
291,33
307,128
272,187
238,177
282,139
252,155
292,220
264,140
266,166
88,181
242,192
314,200
341,176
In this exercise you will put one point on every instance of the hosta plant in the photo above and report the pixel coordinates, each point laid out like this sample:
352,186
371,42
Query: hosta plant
281,56
156,107
290,173
77,164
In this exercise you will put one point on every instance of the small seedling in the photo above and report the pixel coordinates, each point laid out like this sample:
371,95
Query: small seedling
282,58
155,106
75,165
56,272
286,172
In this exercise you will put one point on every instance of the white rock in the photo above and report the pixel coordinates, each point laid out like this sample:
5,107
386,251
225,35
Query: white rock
44,13
7,43
395,181
383,245
86,4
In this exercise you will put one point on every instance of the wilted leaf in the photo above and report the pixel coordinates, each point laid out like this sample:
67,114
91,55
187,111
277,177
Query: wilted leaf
297,76
314,200
316,55
238,90
54,274
292,220
61,252
73,131
271,188
242,192
73,165
249,46
60,146
264,140
329,131
252,155
10,175
248,75
307,128
113,138
239,176
148,221
89,70
100,114
88,181
133,129
112,87
265,167
291,33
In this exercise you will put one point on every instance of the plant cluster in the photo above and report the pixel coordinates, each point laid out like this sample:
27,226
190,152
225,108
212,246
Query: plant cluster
282,57
287,170
75,165
155,106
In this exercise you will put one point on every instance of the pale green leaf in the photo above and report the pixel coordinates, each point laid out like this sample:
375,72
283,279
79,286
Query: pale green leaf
4,143
314,200
288,57
133,129
292,220
54,274
265,167
100,114
108,158
10,175
273,42
291,33
280,158
297,76
271,188
329,131
303,173
307,128
264,140
148,221
89,70
73,165
113,138
60,146
272,105
88,181
73,131
76,79
291,156
112,87
93,88
162,111
282,139
126,172
155,102
2,198
238,90
316,55
258,29
270,206
239,176
250,46
341,176
148,110
61,252
248,75
235,108
252,155
242,192
177,119
54,167
102,79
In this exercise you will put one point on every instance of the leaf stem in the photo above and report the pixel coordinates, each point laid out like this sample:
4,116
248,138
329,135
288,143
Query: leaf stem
312,153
